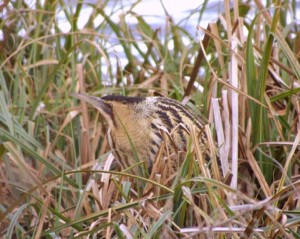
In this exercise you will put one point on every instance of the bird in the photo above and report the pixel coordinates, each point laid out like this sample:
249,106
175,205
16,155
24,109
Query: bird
138,127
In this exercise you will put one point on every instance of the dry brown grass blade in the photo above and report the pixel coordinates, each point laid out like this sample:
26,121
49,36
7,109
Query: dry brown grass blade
225,83
150,80
279,35
214,155
288,161
107,191
22,172
200,213
42,218
202,164
164,84
102,53
259,175
197,65
220,137
226,118
218,45
198,152
85,138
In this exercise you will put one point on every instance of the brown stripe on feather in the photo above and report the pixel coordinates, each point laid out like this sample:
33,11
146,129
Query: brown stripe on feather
182,109
153,142
166,119
157,131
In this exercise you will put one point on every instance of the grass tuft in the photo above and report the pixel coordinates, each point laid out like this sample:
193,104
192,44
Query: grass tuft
58,175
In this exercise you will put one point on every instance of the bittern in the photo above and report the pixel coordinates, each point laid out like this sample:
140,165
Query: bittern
139,125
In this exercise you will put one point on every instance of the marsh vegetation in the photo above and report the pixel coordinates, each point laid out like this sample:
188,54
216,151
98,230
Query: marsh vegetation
243,76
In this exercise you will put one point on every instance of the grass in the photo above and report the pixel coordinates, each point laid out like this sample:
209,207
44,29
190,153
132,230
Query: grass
56,176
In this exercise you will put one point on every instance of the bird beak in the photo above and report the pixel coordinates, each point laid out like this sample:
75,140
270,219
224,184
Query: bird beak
104,107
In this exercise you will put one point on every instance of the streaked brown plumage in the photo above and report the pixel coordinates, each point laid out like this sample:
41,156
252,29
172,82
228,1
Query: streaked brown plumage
140,124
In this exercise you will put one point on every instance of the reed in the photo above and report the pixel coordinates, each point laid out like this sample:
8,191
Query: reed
57,171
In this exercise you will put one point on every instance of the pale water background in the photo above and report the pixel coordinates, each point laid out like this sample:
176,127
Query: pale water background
152,11
185,13
154,14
